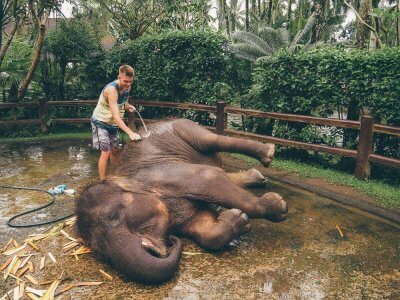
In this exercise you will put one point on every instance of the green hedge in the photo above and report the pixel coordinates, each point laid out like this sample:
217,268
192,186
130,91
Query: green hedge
321,81
179,66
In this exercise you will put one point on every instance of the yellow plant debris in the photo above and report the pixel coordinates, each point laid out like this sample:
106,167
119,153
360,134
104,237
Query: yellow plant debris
106,275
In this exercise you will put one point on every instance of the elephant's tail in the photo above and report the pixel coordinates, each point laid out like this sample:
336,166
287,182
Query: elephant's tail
126,253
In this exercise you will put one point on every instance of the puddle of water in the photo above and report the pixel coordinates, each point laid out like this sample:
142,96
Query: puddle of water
302,258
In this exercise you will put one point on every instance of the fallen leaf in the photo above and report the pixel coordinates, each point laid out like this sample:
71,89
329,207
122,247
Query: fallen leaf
53,259
340,231
16,293
49,294
16,266
14,250
6,245
70,246
42,262
10,267
36,292
192,253
22,289
7,262
15,243
32,296
22,271
25,261
106,275
31,267
30,243
32,279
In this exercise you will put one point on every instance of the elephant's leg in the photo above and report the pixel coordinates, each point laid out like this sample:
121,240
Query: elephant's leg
205,141
249,178
211,184
213,231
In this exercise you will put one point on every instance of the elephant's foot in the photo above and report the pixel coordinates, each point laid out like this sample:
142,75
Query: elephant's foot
212,232
249,178
266,154
255,178
231,224
272,207
234,223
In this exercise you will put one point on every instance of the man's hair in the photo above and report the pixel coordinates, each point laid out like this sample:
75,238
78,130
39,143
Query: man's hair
126,70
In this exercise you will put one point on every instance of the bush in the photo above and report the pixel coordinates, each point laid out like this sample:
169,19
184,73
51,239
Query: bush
181,66
329,80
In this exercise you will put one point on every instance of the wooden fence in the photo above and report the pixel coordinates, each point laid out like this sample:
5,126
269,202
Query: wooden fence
363,155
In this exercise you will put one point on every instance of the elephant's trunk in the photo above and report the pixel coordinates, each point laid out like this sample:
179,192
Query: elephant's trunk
128,256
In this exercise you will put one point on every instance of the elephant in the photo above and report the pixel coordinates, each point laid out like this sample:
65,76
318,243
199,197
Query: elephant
167,185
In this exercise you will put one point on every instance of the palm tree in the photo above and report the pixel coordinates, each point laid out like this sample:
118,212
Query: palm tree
256,47
267,40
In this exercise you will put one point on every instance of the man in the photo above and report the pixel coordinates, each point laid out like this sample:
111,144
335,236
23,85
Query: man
107,118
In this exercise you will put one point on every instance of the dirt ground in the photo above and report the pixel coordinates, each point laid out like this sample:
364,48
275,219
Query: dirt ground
324,250
340,193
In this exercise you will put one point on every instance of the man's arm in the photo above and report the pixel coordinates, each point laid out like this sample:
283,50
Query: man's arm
112,96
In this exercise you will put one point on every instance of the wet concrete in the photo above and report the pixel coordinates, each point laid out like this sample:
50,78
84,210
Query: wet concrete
302,258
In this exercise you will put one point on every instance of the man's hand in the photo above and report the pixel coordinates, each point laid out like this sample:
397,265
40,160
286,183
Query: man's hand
130,107
135,137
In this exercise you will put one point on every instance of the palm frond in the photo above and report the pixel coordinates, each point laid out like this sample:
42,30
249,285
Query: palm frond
284,34
249,50
271,37
250,38
262,59
330,23
304,34
7,79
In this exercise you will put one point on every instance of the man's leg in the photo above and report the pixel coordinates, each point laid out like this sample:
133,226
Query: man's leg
115,149
102,142
103,162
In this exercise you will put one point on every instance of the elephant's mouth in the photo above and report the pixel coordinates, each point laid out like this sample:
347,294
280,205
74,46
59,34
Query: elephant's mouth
152,248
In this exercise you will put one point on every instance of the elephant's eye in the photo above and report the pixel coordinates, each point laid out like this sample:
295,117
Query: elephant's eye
115,217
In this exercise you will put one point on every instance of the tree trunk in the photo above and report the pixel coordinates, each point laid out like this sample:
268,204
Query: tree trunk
316,33
220,14
11,35
362,32
63,68
232,10
299,21
226,17
398,25
289,14
247,16
269,13
1,19
39,43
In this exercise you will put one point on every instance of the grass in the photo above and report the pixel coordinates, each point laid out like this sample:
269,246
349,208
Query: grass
385,194
49,137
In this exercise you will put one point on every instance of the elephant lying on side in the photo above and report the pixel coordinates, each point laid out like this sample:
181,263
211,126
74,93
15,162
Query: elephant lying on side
167,185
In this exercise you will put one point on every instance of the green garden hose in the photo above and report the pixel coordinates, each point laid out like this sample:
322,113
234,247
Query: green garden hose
9,222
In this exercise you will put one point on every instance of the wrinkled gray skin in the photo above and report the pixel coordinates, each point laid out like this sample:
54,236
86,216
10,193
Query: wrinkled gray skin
168,184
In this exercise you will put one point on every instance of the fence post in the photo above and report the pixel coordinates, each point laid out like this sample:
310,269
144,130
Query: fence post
220,121
365,146
43,114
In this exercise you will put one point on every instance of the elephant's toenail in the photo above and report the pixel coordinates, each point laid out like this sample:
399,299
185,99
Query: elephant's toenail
245,217
236,211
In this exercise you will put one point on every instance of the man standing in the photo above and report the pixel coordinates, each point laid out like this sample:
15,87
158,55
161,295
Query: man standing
107,118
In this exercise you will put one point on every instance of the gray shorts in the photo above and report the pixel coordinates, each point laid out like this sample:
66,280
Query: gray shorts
103,140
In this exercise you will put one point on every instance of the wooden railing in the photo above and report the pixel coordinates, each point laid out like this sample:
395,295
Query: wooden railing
363,155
